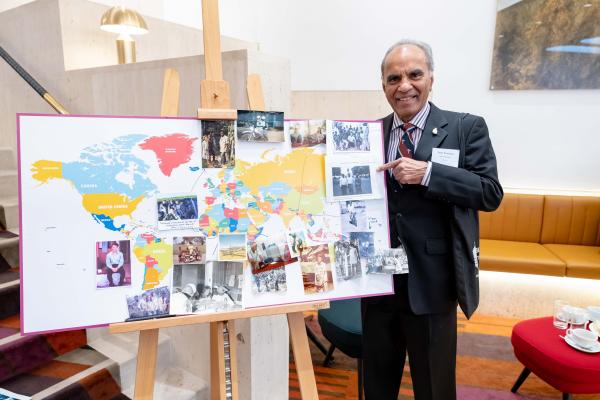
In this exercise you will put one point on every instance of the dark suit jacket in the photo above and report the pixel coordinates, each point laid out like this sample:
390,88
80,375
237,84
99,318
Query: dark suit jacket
420,216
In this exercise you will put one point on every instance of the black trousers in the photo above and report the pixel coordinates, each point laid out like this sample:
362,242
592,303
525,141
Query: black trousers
390,331
121,271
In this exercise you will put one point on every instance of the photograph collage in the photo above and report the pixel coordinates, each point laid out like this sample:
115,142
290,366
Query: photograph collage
208,271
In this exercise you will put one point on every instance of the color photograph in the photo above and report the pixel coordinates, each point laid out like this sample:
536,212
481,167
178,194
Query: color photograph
296,241
150,303
113,264
218,143
268,252
546,44
177,212
260,126
189,249
315,264
232,247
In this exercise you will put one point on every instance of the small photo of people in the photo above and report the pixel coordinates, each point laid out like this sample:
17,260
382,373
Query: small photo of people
388,261
260,126
354,215
218,143
113,264
364,241
347,260
177,212
351,181
189,250
315,264
351,136
296,241
268,253
272,280
306,133
150,303
210,287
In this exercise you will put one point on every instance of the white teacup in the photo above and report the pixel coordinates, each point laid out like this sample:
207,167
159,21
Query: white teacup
583,337
594,312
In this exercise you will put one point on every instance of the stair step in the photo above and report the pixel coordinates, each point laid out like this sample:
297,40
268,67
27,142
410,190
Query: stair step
100,375
30,352
9,211
10,297
9,183
7,158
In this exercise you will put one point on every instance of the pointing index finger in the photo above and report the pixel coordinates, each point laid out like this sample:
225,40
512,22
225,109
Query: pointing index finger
389,165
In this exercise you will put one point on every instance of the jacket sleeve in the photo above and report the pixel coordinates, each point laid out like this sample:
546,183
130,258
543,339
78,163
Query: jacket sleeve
476,185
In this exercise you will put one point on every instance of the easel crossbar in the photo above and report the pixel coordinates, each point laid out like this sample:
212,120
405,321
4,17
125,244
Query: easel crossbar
123,327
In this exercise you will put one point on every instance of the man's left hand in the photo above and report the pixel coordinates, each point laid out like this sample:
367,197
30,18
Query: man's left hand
406,170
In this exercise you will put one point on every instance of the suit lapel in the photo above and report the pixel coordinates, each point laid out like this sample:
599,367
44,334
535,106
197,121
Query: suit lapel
387,127
429,139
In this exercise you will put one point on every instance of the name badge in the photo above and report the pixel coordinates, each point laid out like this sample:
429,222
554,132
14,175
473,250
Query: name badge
447,157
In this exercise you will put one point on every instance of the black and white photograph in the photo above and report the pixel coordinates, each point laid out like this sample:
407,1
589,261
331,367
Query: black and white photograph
214,286
350,136
272,280
260,126
189,249
268,252
365,242
113,264
388,261
177,212
227,280
150,303
347,260
354,215
348,181
218,144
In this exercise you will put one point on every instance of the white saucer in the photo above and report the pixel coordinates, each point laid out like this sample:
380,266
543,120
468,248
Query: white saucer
594,349
594,328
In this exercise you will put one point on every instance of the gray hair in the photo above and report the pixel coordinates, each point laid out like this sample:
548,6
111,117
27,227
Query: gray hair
404,42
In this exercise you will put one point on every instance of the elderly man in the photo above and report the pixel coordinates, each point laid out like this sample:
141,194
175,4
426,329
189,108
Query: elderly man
431,187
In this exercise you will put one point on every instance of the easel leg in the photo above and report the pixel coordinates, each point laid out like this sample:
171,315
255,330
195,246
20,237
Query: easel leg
146,365
217,362
304,367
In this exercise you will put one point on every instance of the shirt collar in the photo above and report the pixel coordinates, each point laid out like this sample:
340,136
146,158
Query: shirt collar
418,120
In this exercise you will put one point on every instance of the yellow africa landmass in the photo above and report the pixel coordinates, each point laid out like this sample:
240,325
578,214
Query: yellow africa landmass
110,204
162,253
44,170
302,169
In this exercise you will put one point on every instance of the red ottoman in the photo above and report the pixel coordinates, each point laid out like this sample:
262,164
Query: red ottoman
539,348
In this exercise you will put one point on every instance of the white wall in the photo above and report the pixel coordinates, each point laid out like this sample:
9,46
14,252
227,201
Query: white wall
543,139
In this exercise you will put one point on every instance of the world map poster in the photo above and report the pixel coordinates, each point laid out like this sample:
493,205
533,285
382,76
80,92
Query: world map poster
115,207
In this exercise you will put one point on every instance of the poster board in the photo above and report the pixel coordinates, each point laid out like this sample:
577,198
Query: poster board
89,182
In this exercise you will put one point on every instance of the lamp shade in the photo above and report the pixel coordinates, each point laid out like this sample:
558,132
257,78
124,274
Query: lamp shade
123,20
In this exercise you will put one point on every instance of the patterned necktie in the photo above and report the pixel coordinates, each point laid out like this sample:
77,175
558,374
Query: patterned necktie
406,147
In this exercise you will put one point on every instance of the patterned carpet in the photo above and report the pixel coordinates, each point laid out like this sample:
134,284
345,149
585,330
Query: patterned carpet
486,367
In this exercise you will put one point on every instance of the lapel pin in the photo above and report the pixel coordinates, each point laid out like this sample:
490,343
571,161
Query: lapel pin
434,131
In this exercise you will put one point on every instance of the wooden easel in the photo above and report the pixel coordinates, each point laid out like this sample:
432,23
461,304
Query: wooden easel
215,104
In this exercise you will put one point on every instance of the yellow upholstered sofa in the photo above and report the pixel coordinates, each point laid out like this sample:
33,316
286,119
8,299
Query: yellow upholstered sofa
542,234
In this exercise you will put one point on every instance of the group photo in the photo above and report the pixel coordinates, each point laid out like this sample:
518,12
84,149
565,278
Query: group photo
351,181
351,136
218,144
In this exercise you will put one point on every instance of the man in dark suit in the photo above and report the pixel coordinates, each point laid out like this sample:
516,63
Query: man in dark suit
424,184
